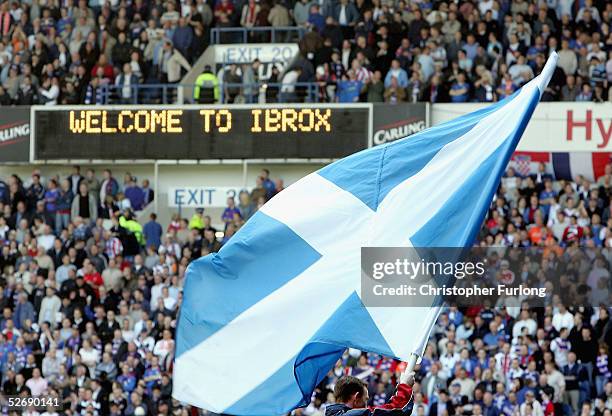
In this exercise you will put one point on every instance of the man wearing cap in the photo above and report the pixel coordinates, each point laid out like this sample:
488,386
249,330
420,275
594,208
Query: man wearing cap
197,221
456,398
352,396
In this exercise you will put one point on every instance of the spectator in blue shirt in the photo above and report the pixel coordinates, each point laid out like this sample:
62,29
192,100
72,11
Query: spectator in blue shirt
349,89
470,47
21,352
5,348
23,311
135,195
127,379
547,197
506,87
459,91
493,337
51,197
597,71
152,375
398,72
64,20
586,94
315,18
268,184
230,211
537,48
183,37
152,232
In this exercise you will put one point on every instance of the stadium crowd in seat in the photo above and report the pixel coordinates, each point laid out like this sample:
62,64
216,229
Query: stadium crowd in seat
89,301
365,50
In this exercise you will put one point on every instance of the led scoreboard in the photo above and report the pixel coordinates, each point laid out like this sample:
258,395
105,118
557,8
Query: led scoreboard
199,132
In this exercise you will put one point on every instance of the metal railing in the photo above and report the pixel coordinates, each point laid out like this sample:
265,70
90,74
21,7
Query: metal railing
261,34
260,92
263,92
142,94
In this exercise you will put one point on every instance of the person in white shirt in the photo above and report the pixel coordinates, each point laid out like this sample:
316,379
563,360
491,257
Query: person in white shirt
50,91
515,371
449,360
37,384
511,183
520,71
503,359
531,406
4,229
141,324
290,79
560,346
560,222
156,290
49,308
570,209
524,323
563,319
168,301
164,346
89,356
511,303
47,239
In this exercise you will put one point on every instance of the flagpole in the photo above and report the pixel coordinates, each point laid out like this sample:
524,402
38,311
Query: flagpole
412,360
407,376
414,356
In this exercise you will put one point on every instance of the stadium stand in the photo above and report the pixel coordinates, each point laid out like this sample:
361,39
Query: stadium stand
90,291
89,299
369,50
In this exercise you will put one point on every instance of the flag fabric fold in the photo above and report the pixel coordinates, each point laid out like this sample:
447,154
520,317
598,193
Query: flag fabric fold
265,319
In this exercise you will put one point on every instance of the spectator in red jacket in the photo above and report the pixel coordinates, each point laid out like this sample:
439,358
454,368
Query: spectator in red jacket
573,232
107,69
92,277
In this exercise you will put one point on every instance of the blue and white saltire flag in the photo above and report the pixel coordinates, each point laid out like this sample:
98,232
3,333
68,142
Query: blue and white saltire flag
265,319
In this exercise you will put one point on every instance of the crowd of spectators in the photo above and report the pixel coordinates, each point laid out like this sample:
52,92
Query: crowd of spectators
89,300
89,296
483,51
56,52
461,51
66,52
519,356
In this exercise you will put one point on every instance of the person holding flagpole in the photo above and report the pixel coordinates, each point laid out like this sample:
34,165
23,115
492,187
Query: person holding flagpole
352,396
